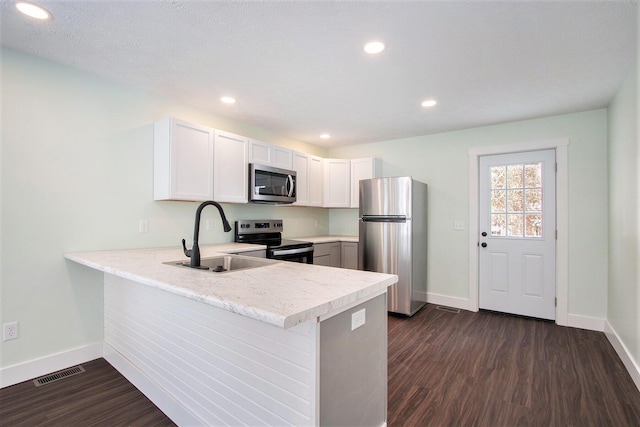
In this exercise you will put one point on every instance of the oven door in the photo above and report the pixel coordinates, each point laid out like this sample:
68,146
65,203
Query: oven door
302,255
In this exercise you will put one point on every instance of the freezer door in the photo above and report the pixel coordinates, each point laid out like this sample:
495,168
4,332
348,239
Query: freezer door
386,196
385,247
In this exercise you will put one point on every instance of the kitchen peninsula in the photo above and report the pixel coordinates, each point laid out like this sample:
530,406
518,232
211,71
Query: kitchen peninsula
280,344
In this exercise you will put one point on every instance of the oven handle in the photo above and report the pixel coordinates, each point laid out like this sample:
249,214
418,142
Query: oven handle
279,252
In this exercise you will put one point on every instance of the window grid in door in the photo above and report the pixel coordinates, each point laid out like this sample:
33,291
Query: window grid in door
516,200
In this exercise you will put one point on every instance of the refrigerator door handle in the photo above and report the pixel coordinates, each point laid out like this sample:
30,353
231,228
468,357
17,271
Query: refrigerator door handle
386,218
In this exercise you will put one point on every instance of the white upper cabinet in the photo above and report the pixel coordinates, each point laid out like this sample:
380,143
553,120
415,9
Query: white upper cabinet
182,161
301,167
230,168
281,157
366,168
271,155
316,181
337,183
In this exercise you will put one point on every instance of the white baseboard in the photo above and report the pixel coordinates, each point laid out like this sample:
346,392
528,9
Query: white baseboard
585,322
21,372
455,302
632,366
159,396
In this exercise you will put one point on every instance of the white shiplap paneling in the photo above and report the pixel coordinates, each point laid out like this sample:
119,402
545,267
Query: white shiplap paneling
222,367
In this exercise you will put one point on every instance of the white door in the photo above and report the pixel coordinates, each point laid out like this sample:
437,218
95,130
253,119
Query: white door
517,225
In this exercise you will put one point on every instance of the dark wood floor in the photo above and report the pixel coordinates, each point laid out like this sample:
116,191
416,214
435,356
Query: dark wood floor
445,369
491,369
100,396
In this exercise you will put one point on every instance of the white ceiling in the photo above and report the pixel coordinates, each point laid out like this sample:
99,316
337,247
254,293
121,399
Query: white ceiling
297,68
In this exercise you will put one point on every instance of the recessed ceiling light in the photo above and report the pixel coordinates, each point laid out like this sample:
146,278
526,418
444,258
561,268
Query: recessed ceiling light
228,100
374,47
325,136
429,103
33,10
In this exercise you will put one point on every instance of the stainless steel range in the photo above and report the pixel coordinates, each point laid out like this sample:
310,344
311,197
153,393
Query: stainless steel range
269,232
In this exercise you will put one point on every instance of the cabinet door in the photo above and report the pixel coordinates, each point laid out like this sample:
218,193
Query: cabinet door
366,168
327,254
230,170
281,157
349,255
259,152
182,161
301,166
337,184
316,181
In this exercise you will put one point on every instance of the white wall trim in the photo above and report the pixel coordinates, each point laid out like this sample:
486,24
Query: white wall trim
562,218
586,322
172,408
31,369
625,355
448,301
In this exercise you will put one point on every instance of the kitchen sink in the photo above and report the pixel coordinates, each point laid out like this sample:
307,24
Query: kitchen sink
225,263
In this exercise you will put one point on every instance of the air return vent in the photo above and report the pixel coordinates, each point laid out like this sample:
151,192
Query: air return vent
448,309
74,370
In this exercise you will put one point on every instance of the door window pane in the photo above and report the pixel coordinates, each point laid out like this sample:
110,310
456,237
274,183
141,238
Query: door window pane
514,176
533,175
498,174
533,225
534,200
515,225
498,225
516,200
498,201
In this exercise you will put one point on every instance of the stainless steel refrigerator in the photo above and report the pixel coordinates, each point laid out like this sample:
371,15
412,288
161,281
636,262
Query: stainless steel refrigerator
393,238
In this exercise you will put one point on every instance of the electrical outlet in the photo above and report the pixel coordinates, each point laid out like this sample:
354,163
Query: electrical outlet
10,331
357,319
458,225
143,226
209,224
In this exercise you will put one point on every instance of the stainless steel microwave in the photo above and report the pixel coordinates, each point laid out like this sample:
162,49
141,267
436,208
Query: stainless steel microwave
271,185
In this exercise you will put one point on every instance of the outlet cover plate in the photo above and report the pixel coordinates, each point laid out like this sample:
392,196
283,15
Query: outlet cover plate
358,319
10,331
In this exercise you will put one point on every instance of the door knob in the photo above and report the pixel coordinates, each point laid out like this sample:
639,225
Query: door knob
483,244
484,234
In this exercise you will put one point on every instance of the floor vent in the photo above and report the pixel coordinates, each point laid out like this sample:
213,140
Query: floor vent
74,370
448,309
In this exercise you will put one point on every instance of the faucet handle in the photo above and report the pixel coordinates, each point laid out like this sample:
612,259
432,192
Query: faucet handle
187,252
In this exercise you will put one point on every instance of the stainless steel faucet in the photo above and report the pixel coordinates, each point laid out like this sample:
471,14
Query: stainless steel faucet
194,252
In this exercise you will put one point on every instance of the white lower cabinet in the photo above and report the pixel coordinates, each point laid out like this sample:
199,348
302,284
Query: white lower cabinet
230,168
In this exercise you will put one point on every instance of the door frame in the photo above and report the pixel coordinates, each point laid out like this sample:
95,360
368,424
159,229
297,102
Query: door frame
560,145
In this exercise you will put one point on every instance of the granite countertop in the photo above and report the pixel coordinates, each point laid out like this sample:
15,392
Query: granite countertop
283,293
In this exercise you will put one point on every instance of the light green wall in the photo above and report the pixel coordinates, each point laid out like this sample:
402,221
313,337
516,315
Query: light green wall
442,161
77,175
624,212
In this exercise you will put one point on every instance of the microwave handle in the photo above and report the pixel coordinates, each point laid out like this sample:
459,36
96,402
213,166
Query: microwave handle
290,179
